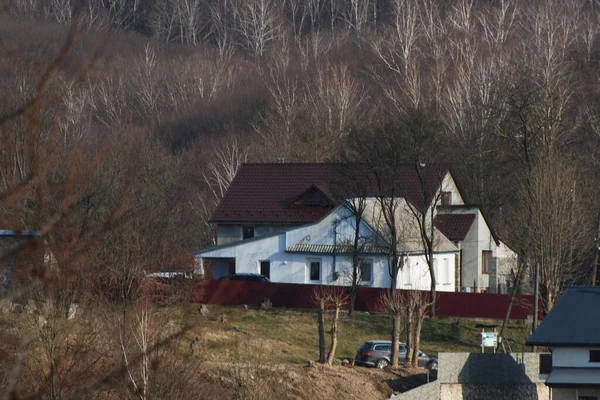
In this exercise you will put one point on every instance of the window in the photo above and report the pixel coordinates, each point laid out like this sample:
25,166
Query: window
315,270
382,347
247,232
366,271
265,268
446,198
594,356
486,261
231,267
545,363
587,398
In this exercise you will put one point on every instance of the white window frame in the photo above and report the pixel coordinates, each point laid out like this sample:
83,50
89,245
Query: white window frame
370,262
309,261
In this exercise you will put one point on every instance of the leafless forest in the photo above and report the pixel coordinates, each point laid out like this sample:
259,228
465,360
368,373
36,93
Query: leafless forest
122,123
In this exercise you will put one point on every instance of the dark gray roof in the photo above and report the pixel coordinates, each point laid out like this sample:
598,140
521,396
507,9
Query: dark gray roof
565,377
487,368
574,320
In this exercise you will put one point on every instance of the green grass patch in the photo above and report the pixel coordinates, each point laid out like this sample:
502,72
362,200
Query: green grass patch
290,336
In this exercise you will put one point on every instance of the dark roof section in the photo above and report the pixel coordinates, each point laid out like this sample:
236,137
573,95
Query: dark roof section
574,320
454,226
452,207
274,193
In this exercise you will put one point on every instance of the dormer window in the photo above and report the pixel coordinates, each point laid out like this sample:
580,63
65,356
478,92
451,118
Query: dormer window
446,198
595,356
313,196
315,199
247,232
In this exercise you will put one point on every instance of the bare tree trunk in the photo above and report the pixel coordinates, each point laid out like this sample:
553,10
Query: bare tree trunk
536,293
410,332
418,324
334,334
511,301
395,339
321,321
355,269
433,282
596,253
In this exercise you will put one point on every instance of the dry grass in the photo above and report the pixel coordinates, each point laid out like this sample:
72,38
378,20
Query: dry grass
254,354
290,336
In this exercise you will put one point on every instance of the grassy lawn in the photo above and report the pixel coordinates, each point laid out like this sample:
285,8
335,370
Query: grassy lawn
290,336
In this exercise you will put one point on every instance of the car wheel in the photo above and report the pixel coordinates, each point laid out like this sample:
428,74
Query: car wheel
381,364
433,365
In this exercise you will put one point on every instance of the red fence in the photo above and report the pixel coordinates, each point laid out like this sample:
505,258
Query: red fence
452,304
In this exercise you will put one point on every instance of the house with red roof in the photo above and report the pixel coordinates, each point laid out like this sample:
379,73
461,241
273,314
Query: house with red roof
293,222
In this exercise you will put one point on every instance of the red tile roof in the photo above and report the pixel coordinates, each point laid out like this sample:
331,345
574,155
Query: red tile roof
454,226
269,193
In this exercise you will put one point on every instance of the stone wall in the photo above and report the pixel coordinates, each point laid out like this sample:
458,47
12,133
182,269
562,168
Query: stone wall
471,376
491,376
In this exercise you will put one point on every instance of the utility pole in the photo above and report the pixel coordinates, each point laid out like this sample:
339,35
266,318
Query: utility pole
536,295
595,266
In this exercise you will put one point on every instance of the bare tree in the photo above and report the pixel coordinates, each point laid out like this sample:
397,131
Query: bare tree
279,125
557,225
224,168
357,207
356,14
222,26
163,19
258,24
399,52
333,98
190,19
326,298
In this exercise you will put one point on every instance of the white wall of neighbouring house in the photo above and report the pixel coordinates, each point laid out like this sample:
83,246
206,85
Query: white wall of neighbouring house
415,273
578,357
506,264
478,239
485,242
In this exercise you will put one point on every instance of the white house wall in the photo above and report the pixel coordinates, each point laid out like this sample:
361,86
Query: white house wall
322,232
294,267
415,273
574,357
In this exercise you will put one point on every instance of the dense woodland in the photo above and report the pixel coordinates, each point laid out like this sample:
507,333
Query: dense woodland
122,122
156,104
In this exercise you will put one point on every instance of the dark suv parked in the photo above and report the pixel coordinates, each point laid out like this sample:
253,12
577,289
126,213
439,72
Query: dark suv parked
378,353
245,277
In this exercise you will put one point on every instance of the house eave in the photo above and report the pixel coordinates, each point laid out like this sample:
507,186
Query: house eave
237,242
562,344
